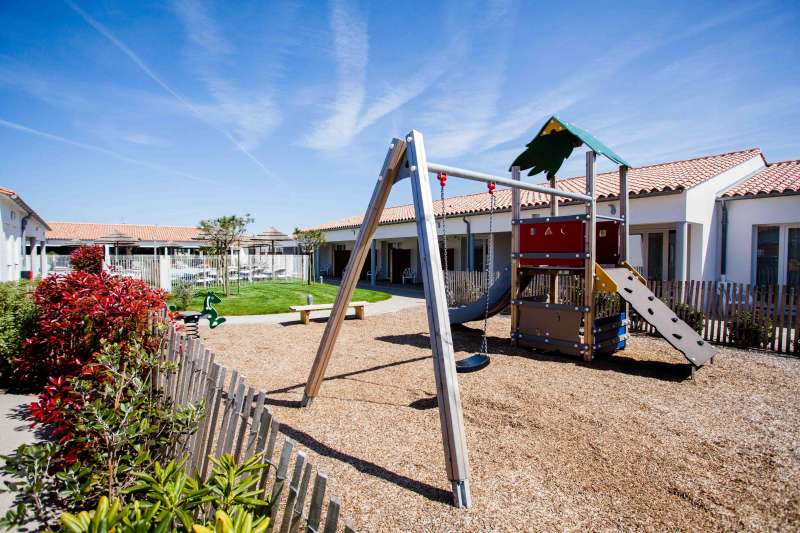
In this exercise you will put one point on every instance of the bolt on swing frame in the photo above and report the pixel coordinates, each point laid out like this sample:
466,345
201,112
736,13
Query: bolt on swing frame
406,158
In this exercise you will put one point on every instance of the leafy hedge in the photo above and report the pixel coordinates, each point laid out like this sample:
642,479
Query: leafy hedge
77,313
87,259
166,499
17,315
751,330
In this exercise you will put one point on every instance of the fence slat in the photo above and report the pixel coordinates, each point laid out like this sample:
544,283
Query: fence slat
294,486
245,415
280,478
234,418
332,517
317,499
255,425
202,432
298,516
226,415
212,426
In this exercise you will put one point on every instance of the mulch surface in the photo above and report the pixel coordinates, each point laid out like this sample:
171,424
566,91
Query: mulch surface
626,442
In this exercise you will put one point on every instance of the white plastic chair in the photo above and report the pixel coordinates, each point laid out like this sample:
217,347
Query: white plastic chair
409,274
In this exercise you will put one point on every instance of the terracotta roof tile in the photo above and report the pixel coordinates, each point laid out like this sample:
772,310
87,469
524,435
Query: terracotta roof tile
87,231
662,177
778,178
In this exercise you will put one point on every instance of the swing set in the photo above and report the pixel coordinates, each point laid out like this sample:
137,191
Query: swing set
480,359
549,245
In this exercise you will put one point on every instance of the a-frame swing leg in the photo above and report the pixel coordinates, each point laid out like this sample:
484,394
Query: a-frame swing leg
451,418
444,362
383,187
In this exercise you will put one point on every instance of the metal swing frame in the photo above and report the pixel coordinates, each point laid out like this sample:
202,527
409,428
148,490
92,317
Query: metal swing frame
406,158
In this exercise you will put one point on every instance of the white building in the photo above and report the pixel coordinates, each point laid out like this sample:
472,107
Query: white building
760,223
23,238
676,222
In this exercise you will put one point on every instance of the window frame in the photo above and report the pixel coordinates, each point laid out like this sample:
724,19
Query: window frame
783,250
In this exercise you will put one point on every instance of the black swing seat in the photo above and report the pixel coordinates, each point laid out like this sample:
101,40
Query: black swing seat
473,363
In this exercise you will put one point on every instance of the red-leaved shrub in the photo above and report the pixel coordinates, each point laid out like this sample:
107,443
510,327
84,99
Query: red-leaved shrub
87,259
78,311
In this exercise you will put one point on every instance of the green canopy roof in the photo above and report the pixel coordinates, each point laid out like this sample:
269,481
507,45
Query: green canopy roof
554,144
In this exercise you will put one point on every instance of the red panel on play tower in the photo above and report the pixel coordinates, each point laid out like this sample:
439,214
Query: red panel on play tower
567,236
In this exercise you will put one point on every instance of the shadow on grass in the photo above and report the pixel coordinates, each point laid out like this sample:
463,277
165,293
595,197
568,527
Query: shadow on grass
367,467
468,339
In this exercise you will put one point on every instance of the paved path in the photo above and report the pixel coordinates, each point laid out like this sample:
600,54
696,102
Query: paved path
13,432
401,299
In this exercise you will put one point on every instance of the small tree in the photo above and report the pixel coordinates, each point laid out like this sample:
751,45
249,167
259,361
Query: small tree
309,241
220,234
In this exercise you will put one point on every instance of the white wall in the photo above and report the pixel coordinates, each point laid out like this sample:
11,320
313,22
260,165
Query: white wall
12,260
701,213
743,215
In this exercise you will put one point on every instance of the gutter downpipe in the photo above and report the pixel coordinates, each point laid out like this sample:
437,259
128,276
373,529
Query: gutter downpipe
470,245
723,254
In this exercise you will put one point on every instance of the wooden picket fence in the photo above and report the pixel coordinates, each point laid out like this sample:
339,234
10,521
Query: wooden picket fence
466,287
237,421
720,302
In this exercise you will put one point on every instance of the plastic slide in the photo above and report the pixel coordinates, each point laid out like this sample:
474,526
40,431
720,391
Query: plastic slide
499,297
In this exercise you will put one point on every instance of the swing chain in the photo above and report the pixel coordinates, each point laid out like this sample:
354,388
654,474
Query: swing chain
442,180
489,268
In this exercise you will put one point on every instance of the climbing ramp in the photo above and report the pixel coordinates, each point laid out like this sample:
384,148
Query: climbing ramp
677,332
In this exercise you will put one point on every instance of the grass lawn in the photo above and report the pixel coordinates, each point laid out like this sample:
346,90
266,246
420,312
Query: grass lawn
275,297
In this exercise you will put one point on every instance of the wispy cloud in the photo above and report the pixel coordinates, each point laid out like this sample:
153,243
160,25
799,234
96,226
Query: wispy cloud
351,50
251,115
464,105
144,139
196,110
100,150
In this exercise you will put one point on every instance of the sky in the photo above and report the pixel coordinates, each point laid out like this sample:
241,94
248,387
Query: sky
172,112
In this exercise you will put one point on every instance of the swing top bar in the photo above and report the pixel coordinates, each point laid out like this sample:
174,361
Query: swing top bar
514,184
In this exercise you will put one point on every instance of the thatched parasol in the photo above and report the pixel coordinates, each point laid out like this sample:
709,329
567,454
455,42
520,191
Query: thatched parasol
270,235
117,238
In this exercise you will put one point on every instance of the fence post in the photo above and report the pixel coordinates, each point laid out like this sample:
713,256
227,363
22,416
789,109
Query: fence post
165,273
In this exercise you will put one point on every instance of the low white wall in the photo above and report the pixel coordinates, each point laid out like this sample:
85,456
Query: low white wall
743,215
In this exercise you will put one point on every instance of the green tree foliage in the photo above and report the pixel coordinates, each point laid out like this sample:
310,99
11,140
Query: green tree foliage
220,234
17,316
309,242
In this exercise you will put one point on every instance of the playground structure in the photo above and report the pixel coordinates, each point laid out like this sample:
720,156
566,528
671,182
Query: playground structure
544,245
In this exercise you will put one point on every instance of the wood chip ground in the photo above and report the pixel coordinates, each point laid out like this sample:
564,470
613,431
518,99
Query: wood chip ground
623,443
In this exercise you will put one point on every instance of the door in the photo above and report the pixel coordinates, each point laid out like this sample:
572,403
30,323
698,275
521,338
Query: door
367,267
655,256
401,260
340,259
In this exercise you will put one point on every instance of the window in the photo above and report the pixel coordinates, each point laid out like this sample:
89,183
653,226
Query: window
767,249
793,258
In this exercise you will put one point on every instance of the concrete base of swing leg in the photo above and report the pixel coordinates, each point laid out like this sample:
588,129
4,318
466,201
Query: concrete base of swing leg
473,363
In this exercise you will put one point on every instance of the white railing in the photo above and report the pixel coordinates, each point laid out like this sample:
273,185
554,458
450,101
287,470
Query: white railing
199,271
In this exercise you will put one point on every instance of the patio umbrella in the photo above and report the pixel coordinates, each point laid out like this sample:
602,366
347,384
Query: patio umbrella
117,238
270,235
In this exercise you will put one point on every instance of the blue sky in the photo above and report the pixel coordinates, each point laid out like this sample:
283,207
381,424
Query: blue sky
169,112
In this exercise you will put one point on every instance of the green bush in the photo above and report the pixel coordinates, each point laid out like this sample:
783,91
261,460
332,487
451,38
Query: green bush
751,330
17,316
167,499
182,294
694,317
111,422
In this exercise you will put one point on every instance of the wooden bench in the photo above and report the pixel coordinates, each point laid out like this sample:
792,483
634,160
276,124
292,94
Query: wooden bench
305,310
